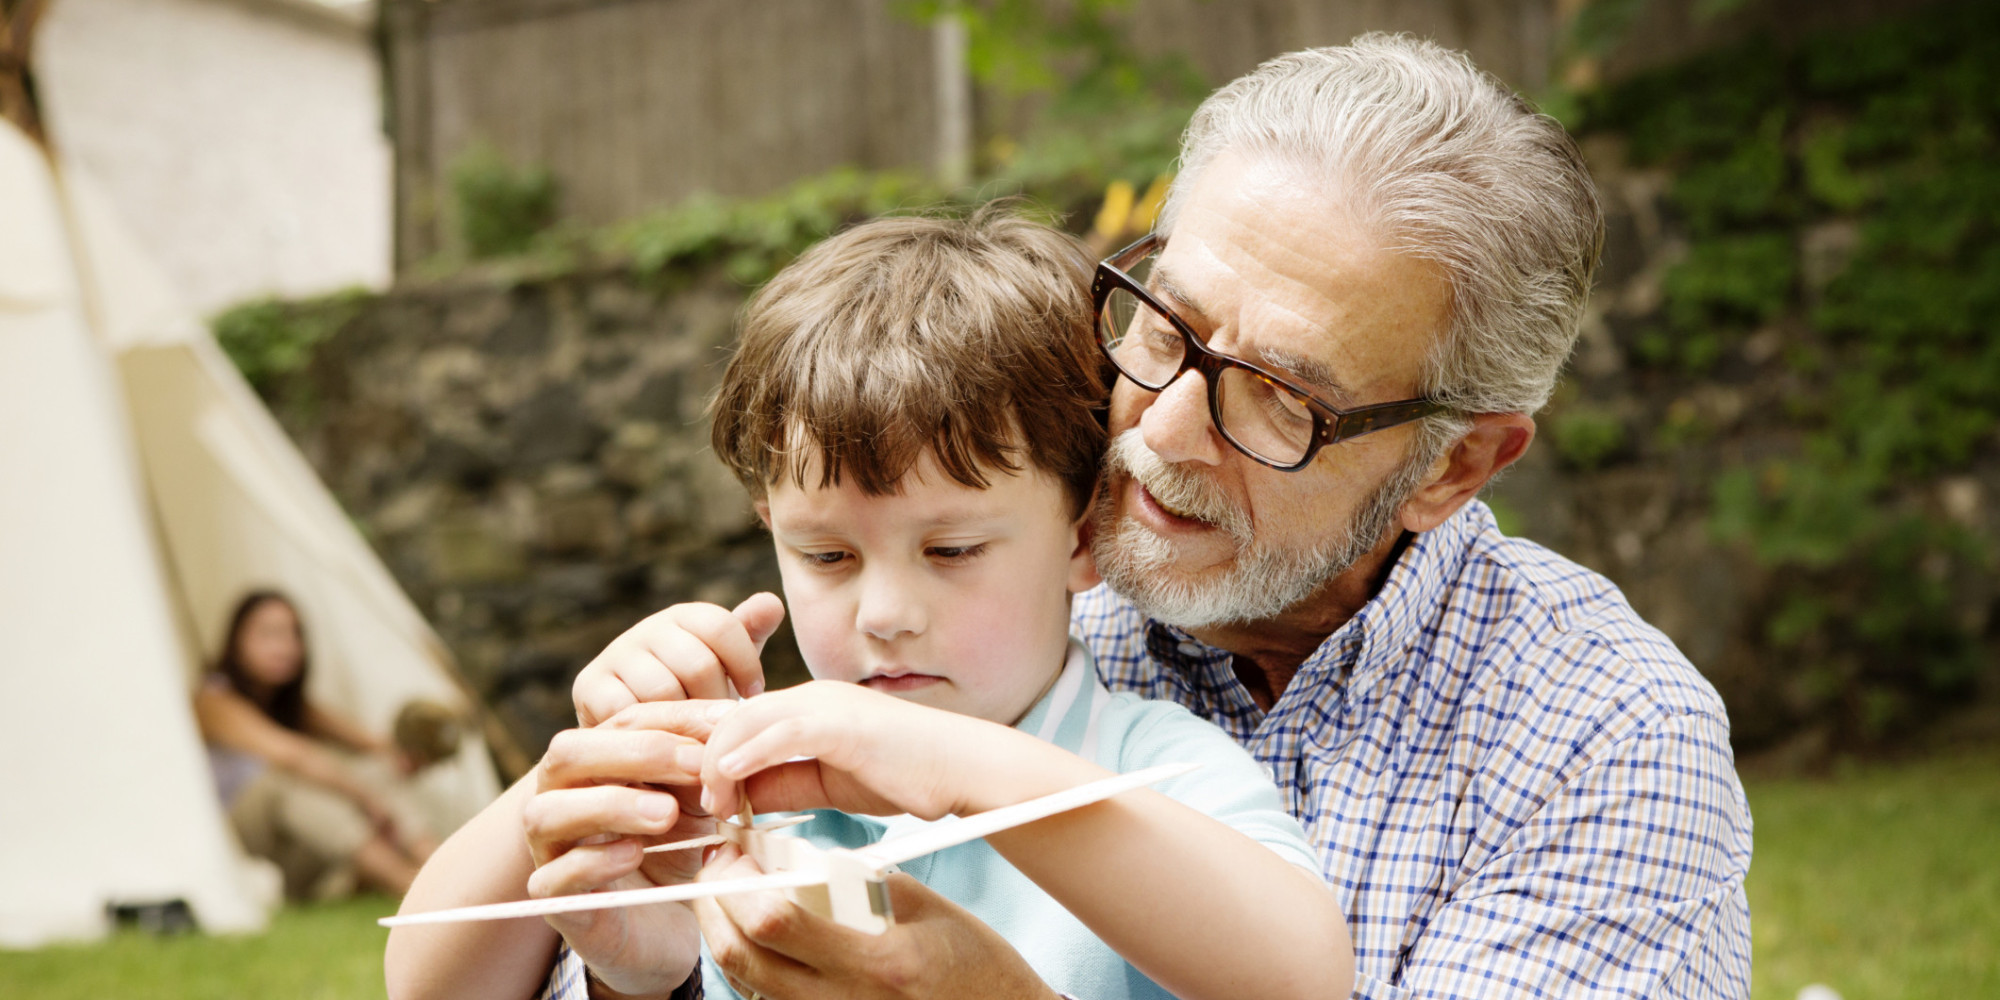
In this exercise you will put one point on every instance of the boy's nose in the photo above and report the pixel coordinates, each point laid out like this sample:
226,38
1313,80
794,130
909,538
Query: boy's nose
1177,425
889,607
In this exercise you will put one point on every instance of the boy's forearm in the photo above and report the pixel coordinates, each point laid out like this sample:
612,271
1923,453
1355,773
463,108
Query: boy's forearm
486,861
1198,907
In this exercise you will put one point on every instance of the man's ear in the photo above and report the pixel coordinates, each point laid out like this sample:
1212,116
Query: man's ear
1082,568
1495,441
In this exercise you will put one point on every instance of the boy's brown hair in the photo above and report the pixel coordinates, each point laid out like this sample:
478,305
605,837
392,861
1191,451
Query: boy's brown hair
968,339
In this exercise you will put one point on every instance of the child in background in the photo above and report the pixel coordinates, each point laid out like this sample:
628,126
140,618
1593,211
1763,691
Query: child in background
913,408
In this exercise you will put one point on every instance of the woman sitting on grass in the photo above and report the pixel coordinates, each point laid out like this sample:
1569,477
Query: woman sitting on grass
325,816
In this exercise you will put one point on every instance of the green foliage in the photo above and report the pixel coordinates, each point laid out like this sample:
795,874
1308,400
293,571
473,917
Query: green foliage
1106,112
752,238
269,339
1893,370
1602,25
501,207
1585,437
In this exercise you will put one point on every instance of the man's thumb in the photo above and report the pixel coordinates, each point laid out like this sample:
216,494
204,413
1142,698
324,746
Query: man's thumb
760,614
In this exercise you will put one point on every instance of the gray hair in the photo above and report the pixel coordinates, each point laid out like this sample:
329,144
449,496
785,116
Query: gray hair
1446,164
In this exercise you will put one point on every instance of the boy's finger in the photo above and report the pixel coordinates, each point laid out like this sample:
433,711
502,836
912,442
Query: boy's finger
598,695
761,614
693,720
695,654
726,651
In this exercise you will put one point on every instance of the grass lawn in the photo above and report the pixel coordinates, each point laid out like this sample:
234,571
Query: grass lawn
1882,881
332,951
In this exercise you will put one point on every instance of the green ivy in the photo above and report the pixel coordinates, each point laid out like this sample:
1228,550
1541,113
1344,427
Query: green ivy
1586,437
502,208
1106,112
1892,368
269,339
751,238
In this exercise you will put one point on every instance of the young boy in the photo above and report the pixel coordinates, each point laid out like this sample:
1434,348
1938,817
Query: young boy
913,408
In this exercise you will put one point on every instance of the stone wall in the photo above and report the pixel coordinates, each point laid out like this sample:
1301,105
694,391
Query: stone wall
531,459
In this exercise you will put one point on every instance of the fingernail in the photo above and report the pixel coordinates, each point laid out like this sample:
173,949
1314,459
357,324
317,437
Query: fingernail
622,852
688,758
656,808
756,688
707,801
731,766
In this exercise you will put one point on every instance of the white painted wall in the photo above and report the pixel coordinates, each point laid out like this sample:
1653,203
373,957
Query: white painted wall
240,139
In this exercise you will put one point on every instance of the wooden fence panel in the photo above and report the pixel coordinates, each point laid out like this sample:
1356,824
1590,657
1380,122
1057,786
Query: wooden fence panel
633,104
637,103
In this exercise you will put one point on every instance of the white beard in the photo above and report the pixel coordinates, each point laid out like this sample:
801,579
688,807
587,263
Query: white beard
1265,578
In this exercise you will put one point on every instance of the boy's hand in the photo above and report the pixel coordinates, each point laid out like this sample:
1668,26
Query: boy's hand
877,754
601,794
687,651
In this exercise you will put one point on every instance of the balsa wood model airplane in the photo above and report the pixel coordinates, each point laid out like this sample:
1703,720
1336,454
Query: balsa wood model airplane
844,885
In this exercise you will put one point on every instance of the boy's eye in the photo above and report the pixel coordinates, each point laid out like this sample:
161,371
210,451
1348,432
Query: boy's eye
823,558
955,553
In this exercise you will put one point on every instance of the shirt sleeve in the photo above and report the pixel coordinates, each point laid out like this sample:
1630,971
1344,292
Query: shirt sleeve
566,980
1628,882
569,980
1230,785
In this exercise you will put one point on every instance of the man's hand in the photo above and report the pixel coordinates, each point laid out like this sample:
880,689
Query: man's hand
687,651
601,795
935,948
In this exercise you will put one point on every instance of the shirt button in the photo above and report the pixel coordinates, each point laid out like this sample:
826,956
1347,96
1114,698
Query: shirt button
1189,649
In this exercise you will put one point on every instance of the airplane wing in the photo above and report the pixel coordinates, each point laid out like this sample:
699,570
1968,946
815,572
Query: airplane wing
952,833
880,856
607,900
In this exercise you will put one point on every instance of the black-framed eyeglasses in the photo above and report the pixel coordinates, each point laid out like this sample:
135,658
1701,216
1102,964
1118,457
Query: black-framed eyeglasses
1263,414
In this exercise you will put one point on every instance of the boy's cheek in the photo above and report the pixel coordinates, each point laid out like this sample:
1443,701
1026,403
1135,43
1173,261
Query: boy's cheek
822,642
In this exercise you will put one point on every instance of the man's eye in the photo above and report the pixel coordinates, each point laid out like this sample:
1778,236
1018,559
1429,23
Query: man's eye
952,554
1161,339
1286,409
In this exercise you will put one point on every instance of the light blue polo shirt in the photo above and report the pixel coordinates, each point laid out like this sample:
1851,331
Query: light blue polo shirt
1119,732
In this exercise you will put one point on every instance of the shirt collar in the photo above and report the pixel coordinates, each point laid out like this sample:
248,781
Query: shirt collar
1058,709
1379,636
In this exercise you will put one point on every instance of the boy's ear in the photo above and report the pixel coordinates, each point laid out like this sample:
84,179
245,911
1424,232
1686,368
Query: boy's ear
1082,568
763,509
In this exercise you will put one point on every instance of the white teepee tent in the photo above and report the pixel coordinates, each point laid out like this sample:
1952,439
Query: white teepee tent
143,490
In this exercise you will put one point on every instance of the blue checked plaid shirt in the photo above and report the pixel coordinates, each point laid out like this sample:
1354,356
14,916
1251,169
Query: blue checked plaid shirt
1517,787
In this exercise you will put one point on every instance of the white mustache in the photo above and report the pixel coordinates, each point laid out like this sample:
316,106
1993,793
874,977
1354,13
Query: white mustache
1177,488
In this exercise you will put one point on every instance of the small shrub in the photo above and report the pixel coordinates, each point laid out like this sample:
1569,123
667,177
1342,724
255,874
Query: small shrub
502,208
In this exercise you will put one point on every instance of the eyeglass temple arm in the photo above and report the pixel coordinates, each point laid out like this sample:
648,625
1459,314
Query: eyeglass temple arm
1369,419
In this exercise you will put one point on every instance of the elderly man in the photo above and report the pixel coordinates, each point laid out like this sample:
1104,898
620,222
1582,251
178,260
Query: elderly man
1366,278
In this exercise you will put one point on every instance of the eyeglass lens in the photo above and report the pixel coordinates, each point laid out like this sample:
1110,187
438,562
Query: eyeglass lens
1256,414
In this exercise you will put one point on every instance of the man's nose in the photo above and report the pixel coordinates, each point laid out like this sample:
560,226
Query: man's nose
1177,426
890,605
